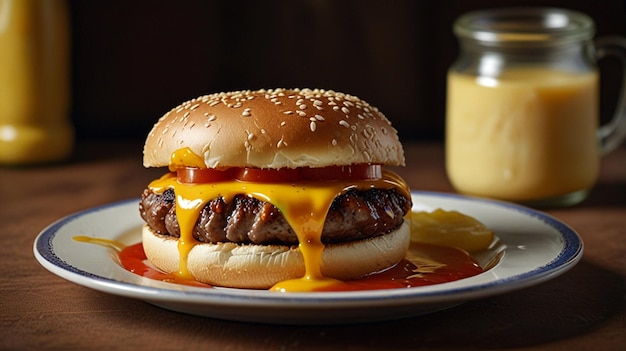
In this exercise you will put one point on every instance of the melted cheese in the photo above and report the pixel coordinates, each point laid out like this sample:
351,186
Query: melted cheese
304,205
185,157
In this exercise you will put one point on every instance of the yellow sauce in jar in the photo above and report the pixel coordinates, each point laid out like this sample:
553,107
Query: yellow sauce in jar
34,82
530,134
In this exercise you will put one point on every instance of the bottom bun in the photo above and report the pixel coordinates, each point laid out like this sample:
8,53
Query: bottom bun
262,266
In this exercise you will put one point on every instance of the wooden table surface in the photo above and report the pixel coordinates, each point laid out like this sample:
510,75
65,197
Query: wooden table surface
582,309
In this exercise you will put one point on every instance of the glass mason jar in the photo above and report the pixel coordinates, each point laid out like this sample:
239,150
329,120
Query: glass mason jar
522,114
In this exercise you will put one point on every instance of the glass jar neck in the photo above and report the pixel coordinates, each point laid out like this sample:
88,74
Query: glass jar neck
494,40
523,27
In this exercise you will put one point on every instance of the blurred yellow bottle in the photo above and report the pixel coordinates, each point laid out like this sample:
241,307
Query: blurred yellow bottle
34,82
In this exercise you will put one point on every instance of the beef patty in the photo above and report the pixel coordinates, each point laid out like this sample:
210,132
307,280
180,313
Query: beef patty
353,215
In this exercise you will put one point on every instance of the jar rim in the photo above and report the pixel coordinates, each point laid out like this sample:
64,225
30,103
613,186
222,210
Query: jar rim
524,25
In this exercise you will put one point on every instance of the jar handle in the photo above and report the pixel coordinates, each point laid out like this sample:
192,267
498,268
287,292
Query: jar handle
613,133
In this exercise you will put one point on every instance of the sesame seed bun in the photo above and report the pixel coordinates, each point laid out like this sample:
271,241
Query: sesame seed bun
262,266
276,129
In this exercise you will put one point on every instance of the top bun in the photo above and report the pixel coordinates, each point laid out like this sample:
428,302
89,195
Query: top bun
276,129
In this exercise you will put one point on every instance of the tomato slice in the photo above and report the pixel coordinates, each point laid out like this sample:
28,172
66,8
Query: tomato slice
259,175
204,175
351,172
282,175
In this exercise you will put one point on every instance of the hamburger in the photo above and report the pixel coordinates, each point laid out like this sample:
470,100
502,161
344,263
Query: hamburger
284,189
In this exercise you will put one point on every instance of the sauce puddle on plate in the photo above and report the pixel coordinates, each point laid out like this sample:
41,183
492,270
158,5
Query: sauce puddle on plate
424,264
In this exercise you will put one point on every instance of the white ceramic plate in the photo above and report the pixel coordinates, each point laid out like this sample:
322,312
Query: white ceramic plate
533,247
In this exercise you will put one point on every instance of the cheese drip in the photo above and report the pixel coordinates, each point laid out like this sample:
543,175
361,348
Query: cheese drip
304,204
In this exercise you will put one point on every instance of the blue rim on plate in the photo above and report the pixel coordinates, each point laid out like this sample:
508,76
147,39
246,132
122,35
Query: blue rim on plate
538,263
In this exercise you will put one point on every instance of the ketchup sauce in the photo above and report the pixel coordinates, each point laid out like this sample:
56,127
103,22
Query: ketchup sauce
133,259
425,264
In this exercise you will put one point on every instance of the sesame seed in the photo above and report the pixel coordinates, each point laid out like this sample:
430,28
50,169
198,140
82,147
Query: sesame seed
313,126
282,124
335,108
299,101
194,107
246,112
212,118
288,112
302,106
186,114
251,136
301,113
345,110
214,102
334,142
317,103
344,123
319,117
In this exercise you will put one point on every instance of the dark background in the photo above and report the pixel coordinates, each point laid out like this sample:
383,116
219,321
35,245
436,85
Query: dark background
135,60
